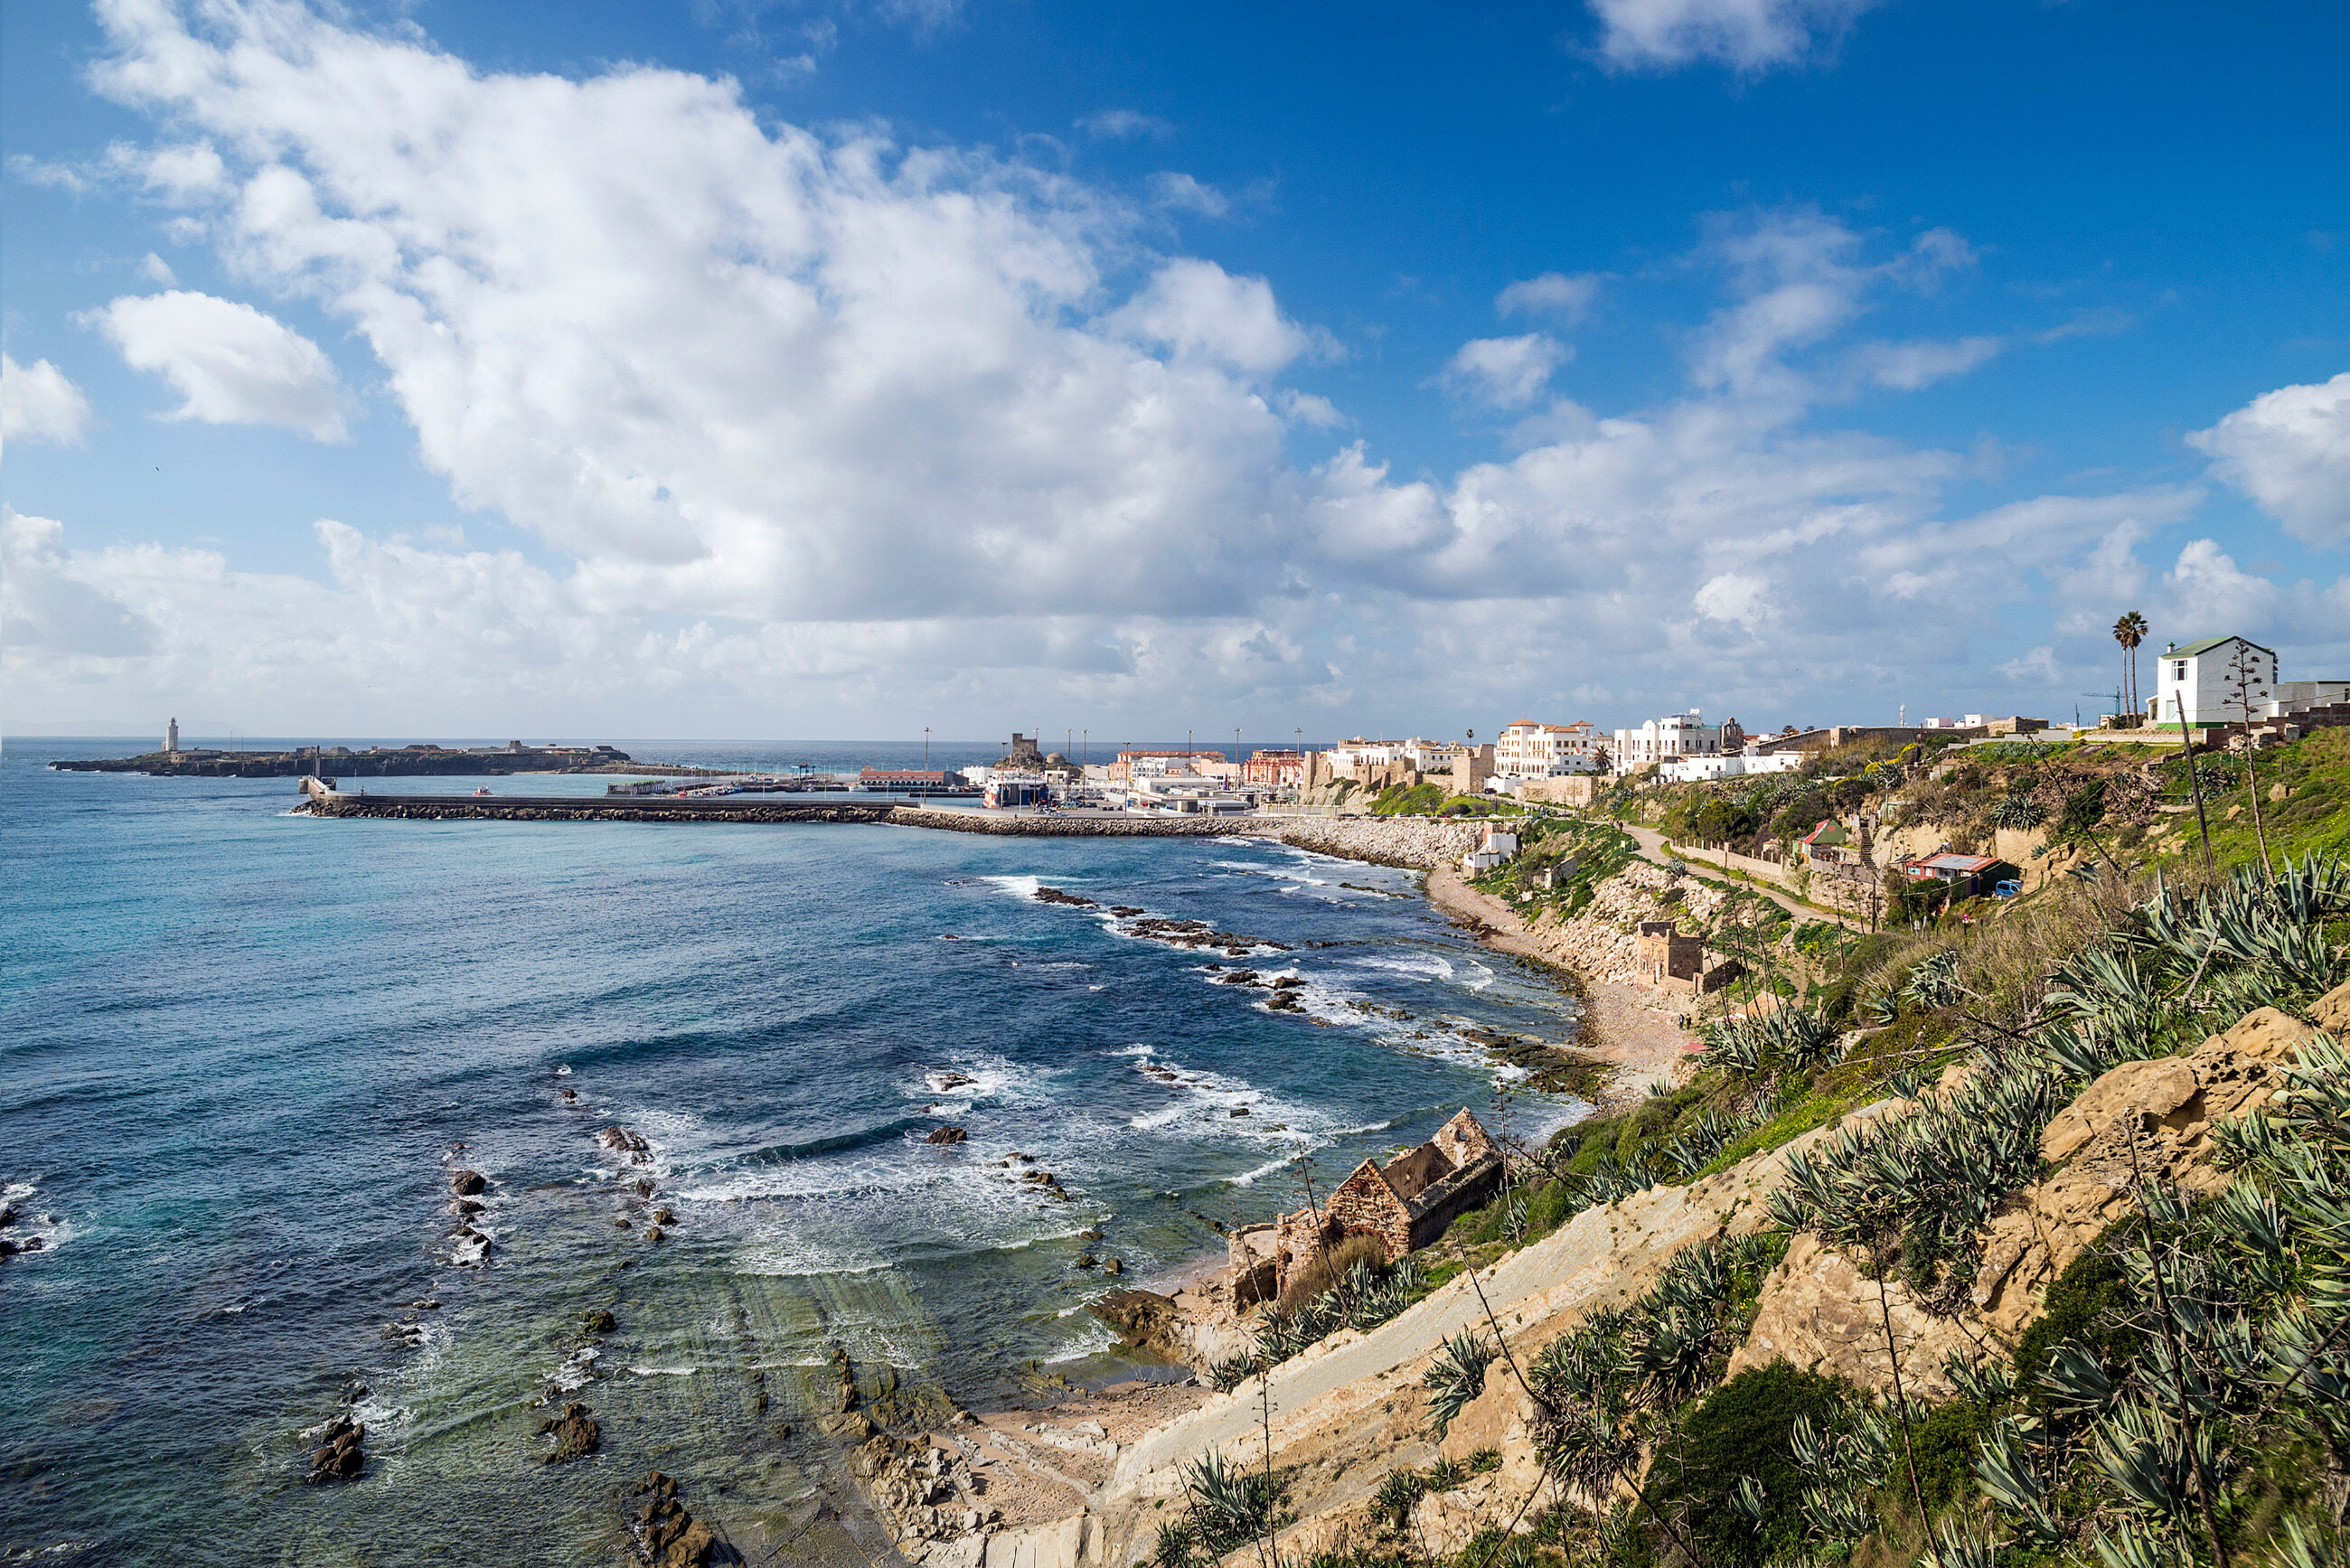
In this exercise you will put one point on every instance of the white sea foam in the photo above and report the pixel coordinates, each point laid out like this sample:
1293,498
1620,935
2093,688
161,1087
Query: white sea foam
1021,887
1422,966
665,1371
578,1369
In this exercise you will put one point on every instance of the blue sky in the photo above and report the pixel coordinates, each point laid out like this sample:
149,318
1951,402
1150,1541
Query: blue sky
837,369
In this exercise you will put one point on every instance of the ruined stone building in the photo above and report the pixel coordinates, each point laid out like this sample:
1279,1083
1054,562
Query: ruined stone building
1403,1205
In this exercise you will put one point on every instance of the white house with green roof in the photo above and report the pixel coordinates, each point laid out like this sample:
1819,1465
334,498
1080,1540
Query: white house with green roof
2198,681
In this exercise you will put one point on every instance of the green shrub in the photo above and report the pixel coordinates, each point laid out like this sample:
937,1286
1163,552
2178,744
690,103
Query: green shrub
2091,1304
1744,1428
1945,1448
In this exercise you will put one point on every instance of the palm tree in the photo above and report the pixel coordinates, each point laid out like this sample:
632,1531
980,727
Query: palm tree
2129,631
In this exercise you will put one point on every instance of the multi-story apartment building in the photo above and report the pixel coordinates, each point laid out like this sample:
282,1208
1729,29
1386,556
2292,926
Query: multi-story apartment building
1528,749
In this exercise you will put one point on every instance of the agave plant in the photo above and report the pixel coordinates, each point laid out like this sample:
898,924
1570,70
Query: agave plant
2019,811
1456,1376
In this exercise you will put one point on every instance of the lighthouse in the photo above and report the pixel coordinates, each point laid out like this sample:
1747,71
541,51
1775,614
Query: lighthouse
171,736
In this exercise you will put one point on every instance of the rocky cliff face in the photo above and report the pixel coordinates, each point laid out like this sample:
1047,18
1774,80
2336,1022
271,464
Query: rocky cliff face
1820,1311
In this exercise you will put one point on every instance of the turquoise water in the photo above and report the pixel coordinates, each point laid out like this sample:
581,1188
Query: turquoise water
238,1048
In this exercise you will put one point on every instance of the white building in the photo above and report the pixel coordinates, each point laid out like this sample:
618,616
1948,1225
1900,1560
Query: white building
1674,735
1164,767
2197,683
1728,765
1499,844
1353,756
1430,756
1530,750
171,736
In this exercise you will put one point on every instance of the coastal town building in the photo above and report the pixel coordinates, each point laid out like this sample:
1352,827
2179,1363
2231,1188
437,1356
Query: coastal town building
1528,749
1355,756
1728,765
1403,1206
1675,735
1280,769
1131,765
2197,684
1498,844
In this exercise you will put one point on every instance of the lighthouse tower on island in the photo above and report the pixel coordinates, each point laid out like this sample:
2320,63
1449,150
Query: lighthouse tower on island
171,736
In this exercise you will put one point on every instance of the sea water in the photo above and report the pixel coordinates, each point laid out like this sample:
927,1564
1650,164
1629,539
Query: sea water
241,1051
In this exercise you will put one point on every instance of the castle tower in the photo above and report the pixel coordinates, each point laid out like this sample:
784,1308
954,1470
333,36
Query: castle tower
171,736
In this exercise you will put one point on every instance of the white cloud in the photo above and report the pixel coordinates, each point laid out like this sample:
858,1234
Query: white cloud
230,363
2037,668
38,404
1553,293
1800,281
2290,450
1117,124
1736,598
1747,35
1920,363
1309,409
155,269
1200,310
1183,193
1507,372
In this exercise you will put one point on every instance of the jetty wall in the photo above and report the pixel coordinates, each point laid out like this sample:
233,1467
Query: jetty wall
1407,843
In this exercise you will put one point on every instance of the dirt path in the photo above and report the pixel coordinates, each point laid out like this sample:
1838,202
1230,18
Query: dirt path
1652,848
1628,1026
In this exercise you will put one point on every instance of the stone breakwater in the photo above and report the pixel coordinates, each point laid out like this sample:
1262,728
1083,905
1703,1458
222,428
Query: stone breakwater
1409,843
436,808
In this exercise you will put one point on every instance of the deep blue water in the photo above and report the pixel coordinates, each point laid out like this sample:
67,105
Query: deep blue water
237,1047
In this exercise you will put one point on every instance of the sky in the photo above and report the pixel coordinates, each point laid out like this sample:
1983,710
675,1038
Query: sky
828,368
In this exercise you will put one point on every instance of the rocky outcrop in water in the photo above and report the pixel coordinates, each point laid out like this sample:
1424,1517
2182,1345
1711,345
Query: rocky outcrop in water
666,1536
947,1135
620,1140
340,1456
574,1432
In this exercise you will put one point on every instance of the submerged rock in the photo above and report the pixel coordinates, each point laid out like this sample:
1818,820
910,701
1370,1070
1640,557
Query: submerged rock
599,1322
621,1140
